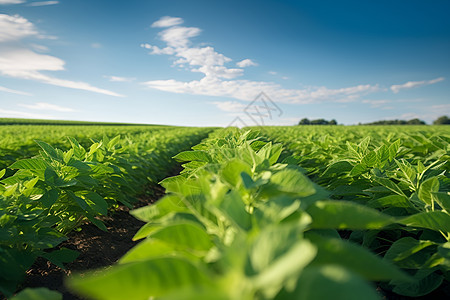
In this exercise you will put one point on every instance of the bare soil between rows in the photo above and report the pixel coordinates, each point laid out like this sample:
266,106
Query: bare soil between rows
97,248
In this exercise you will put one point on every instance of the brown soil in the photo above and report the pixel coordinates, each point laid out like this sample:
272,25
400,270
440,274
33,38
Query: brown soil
97,248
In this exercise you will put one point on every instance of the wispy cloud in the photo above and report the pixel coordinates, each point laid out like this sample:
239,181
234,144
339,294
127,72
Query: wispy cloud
7,90
376,103
13,28
119,79
246,63
43,3
167,22
5,2
20,114
413,84
47,106
230,106
20,62
220,80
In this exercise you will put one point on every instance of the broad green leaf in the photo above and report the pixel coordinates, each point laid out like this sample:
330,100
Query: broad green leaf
346,215
234,209
354,258
2,173
390,201
293,181
30,164
232,170
147,249
358,170
168,204
390,185
193,155
61,256
187,235
444,250
37,294
329,282
426,189
338,168
424,282
141,280
435,220
49,150
404,248
284,267
443,199
97,203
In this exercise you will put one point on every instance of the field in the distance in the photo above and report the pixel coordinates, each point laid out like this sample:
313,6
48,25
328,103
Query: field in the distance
299,212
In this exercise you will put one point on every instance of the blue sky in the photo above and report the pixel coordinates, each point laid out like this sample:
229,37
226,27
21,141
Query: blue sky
202,63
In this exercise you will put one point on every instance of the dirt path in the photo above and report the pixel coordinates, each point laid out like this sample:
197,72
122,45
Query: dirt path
97,248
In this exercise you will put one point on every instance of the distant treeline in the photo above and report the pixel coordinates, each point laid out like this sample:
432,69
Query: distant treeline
305,121
439,121
397,122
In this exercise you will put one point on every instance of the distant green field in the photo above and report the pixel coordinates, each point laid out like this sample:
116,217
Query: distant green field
11,121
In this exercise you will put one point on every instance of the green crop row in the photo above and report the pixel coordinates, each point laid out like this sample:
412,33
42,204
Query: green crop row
403,173
242,222
44,197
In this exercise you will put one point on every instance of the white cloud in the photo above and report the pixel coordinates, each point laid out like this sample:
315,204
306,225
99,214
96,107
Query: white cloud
13,28
118,78
47,106
4,2
167,22
7,90
179,36
43,3
20,114
272,73
157,50
413,84
219,80
20,62
230,106
376,103
40,48
246,63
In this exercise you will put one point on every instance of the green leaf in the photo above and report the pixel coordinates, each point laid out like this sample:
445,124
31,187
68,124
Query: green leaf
30,164
404,248
354,258
49,198
98,204
443,199
232,170
2,173
197,155
187,235
49,150
426,189
329,282
293,181
390,185
234,208
61,256
284,267
37,294
444,250
425,281
141,280
346,215
390,201
435,220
